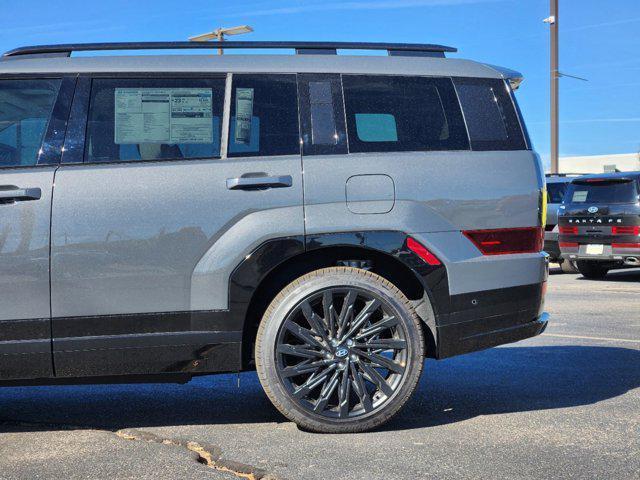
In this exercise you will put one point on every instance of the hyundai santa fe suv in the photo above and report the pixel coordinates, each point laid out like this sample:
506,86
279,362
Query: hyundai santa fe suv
329,220
599,223
556,184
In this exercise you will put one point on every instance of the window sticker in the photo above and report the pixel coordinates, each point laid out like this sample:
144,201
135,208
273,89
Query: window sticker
163,115
579,196
376,127
244,112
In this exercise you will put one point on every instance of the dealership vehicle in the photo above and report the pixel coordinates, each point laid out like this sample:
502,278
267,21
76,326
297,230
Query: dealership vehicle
326,219
600,223
556,187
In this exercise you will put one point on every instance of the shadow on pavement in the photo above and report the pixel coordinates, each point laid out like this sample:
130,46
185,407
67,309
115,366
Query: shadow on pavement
501,380
626,275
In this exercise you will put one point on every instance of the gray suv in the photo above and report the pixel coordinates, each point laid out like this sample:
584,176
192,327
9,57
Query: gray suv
329,220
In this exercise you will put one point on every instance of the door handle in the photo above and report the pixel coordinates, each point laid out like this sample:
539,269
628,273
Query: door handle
13,193
254,183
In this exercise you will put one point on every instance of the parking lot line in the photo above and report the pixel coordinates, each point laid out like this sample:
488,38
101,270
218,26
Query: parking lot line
581,337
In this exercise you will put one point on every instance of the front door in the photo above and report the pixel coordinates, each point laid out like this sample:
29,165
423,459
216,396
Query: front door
27,145
171,194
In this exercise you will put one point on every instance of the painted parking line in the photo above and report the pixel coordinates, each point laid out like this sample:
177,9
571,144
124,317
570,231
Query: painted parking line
602,339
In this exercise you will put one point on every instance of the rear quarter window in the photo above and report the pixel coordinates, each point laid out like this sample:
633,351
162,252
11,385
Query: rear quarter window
397,113
490,115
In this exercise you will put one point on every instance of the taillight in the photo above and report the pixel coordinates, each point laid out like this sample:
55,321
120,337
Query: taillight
420,250
568,230
568,244
507,240
626,245
626,230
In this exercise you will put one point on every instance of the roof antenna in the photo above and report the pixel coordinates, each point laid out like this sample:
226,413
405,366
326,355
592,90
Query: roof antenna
219,34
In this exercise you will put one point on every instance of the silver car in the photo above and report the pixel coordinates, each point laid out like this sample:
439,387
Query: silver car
329,220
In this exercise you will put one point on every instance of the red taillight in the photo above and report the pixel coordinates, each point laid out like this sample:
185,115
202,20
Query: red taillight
569,230
507,240
422,252
569,244
625,245
626,230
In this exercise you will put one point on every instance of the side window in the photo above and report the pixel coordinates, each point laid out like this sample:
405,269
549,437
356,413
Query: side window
25,109
490,115
264,116
394,113
154,119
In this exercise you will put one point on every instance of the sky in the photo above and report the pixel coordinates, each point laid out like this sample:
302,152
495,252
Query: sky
599,41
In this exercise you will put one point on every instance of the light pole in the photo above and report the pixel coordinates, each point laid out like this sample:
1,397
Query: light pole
552,20
219,34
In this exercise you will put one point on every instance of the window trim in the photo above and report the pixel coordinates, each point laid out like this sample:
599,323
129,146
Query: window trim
52,143
339,116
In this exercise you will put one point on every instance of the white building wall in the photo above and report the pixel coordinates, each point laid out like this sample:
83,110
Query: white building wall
596,163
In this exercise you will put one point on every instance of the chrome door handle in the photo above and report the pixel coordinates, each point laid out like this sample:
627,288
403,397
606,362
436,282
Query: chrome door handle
11,192
253,183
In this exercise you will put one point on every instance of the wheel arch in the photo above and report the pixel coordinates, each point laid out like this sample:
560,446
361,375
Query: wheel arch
384,253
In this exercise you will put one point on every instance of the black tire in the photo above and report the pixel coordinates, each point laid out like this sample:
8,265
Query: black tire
592,269
567,266
334,353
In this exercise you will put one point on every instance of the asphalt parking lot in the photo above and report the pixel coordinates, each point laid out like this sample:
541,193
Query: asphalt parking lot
565,404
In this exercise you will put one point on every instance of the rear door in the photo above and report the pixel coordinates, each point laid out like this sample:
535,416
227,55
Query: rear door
33,113
177,181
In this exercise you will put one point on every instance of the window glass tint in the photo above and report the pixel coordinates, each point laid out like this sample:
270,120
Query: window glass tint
490,115
389,113
614,191
25,108
556,191
154,119
264,116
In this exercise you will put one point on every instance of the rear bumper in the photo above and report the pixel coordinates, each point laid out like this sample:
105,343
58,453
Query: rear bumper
609,254
468,340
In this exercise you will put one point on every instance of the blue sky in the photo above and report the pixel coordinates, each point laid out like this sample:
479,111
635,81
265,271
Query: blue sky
599,41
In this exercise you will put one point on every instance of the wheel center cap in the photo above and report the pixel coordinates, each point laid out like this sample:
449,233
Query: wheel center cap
342,352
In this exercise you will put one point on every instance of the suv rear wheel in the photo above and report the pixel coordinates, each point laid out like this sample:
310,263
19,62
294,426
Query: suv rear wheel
591,269
339,350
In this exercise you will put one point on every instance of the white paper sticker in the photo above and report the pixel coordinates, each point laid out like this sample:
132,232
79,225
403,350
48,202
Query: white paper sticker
579,196
244,112
163,115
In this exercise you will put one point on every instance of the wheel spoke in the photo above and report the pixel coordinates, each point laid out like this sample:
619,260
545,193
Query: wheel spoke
363,316
304,367
383,344
380,361
304,334
381,326
316,323
374,377
343,394
304,351
346,313
313,381
327,390
360,388
329,312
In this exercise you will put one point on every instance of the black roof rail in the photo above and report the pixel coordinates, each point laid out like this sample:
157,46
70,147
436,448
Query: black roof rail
409,49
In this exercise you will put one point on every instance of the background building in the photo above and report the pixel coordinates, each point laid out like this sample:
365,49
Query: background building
600,163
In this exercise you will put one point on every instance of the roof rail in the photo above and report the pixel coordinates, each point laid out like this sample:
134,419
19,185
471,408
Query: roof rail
412,49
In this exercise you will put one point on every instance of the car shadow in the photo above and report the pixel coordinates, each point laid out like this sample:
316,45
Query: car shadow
500,380
625,275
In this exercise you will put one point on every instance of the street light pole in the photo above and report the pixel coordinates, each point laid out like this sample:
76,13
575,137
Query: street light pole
555,126
219,34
